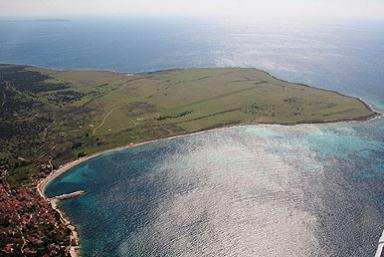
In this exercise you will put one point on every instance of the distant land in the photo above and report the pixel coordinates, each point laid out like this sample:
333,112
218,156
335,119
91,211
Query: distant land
49,117
34,20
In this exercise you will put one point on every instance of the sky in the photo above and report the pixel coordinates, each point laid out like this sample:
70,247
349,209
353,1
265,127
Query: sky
226,8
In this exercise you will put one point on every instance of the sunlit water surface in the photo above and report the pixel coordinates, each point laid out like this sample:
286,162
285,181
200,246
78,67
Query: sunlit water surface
246,191
308,190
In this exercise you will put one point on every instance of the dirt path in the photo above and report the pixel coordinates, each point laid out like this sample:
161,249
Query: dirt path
102,122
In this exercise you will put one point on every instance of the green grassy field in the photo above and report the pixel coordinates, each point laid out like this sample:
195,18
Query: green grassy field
82,112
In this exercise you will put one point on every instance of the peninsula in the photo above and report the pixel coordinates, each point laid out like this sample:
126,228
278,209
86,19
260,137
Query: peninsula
49,117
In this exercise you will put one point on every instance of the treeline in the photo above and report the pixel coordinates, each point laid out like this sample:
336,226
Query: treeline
175,116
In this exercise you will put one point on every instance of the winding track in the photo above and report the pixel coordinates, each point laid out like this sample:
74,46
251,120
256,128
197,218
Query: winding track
102,122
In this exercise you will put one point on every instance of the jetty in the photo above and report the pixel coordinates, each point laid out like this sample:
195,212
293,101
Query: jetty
68,196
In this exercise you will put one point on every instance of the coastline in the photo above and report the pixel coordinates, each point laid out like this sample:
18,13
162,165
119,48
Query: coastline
374,114
71,164
349,66
41,186
74,237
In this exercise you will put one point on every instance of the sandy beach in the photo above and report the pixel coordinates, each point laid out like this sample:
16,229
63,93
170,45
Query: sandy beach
64,168
74,238
74,248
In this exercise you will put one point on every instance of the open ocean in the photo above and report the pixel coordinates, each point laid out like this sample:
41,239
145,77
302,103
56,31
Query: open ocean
306,190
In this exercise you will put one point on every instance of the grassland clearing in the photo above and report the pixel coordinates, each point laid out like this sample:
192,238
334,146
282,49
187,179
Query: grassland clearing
61,115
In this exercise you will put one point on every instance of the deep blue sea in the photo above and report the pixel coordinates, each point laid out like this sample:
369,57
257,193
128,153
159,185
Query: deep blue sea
306,190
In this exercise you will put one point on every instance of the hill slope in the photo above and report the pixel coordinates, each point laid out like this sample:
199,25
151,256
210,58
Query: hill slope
60,115
50,117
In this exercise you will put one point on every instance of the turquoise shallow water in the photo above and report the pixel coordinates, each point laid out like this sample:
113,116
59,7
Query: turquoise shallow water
308,190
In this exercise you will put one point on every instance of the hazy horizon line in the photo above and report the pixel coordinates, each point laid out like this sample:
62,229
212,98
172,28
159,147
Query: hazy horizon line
67,17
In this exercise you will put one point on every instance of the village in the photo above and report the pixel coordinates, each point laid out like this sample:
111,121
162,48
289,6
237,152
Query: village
29,226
